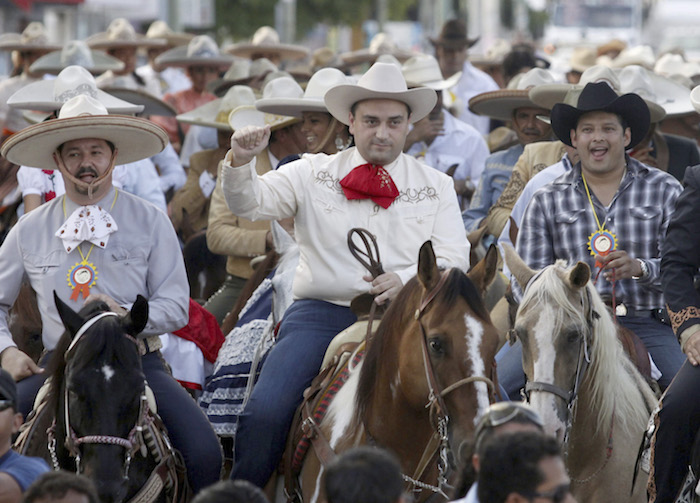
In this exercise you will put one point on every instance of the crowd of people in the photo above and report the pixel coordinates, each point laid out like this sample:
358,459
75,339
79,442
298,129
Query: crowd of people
162,157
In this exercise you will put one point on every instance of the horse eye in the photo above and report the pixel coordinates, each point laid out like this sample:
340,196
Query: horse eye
436,346
573,335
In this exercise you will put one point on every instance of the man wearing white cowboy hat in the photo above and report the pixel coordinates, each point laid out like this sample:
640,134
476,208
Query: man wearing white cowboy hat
266,44
441,140
610,211
171,79
451,48
125,247
373,185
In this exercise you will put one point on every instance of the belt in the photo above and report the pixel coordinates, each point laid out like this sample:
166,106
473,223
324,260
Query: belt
150,344
660,314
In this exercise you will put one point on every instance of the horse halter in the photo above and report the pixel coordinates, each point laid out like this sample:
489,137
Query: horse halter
73,442
436,402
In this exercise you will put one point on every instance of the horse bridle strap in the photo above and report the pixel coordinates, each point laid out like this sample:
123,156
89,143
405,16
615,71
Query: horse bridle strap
85,327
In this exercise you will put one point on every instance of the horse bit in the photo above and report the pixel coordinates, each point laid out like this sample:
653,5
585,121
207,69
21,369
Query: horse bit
131,444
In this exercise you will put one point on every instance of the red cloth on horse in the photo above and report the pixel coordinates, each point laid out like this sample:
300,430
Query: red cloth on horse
370,181
203,330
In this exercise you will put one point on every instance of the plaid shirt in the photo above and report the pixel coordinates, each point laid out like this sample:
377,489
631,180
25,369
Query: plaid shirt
559,221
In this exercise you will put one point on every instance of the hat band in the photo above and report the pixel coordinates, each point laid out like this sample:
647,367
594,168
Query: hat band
81,89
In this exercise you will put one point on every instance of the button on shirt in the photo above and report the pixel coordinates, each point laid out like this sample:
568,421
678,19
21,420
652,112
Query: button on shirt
309,190
143,257
559,221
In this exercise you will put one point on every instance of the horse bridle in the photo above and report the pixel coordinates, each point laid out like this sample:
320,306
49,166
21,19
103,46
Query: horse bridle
436,396
131,444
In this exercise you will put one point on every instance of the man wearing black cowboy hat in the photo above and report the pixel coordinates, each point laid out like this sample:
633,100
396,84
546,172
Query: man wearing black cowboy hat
451,52
610,211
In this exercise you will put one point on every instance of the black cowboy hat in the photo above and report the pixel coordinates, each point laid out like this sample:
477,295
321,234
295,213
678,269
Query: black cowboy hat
600,96
454,35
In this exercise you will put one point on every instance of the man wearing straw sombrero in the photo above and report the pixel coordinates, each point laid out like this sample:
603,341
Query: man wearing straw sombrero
100,243
372,185
610,211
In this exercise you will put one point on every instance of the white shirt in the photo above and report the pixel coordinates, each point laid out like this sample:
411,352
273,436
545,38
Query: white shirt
309,190
472,82
171,80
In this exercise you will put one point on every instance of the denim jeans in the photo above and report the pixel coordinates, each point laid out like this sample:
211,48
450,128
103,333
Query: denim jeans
307,328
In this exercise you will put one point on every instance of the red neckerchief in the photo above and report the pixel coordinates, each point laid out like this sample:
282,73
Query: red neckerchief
370,181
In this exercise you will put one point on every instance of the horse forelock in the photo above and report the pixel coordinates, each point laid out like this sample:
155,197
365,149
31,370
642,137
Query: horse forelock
613,389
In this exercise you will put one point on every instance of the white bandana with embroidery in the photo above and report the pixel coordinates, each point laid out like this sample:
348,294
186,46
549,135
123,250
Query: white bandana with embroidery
87,223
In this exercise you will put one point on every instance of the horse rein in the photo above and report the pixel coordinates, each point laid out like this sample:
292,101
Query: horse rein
369,258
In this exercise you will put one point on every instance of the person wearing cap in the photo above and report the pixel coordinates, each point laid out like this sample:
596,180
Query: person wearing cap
373,185
611,212
676,421
451,48
203,63
514,106
99,243
17,472
500,418
171,79
440,140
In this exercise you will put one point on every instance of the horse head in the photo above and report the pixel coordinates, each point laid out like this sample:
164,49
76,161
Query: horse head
435,348
99,394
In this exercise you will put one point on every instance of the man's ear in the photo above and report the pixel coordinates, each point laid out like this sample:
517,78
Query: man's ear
17,421
627,135
572,134
351,121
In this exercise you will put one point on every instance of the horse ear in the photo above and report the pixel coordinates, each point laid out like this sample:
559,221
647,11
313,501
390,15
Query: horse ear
428,272
71,319
135,320
518,268
579,275
484,272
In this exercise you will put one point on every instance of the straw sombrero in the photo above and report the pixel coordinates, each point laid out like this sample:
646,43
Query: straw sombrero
312,101
151,104
200,51
215,113
33,38
160,30
120,33
85,117
266,41
50,95
283,87
76,52
381,81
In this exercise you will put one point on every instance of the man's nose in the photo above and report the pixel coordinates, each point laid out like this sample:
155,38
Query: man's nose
383,130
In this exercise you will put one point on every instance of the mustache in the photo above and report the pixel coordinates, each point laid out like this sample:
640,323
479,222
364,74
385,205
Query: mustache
86,171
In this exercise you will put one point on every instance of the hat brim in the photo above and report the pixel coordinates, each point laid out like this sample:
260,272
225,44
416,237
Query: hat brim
340,99
548,95
100,41
13,42
39,96
291,107
151,105
365,56
248,115
672,96
501,104
205,115
285,51
51,63
630,107
454,44
134,137
178,57
438,85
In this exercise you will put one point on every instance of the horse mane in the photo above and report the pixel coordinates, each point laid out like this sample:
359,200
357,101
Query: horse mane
399,314
614,386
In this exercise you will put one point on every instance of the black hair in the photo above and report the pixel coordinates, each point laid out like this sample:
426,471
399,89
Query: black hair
364,475
231,491
54,485
510,464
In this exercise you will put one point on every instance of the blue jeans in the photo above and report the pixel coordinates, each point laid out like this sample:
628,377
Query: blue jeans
307,328
188,428
658,338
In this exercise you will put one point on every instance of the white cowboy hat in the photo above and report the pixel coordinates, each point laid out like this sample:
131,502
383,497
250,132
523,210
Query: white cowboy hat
266,40
283,87
424,70
160,30
312,101
502,103
381,44
50,95
215,113
201,51
548,95
672,97
494,56
76,52
33,38
638,80
695,98
381,81
642,55
582,58
242,72
120,33
151,104
85,117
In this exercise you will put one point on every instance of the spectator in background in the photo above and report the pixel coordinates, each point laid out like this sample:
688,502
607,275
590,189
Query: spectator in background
231,491
61,487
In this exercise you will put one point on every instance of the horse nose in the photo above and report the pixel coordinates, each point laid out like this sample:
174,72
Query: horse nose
111,491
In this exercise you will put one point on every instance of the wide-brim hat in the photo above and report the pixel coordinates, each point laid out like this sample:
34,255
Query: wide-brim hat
493,56
242,72
311,101
548,95
582,58
671,97
85,117
76,52
453,35
381,44
200,51
266,40
642,55
381,81
216,113
160,30
601,97
424,70
151,104
695,98
251,116
120,33
33,38
50,95
502,103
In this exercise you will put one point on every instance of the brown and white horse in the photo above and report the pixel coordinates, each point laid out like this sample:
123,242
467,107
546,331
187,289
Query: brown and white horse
580,380
423,382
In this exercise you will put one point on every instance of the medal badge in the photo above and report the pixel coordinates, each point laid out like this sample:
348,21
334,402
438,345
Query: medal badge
81,277
602,242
